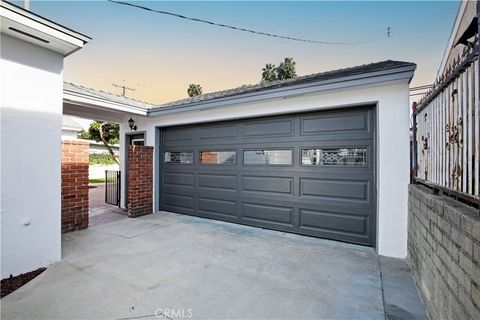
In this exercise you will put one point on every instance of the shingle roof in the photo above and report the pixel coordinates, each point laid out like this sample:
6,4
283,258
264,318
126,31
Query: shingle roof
322,76
245,89
79,89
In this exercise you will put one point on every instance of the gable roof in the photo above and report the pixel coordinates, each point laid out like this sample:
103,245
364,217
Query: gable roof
316,77
250,91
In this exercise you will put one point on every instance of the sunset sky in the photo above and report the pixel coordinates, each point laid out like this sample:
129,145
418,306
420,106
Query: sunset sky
160,55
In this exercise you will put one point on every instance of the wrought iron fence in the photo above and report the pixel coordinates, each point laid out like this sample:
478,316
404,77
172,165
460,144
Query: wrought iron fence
447,130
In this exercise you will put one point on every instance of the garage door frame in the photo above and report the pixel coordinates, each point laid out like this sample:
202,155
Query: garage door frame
372,158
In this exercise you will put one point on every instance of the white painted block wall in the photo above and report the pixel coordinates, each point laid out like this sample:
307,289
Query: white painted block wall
31,124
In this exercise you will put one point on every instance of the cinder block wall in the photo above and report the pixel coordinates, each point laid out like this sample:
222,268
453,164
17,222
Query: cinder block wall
74,185
444,254
140,180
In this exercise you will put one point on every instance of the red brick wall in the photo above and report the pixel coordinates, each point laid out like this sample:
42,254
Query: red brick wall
140,180
74,185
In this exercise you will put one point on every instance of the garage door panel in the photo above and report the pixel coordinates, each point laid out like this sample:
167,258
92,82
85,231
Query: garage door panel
268,128
212,134
182,190
317,196
355,190
333,222
267,213
335,122
174,136
178,201
217,181
337,205
266,184
178,178
216,206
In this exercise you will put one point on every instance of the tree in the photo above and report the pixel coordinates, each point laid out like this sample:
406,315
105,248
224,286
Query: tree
194,90
107,132
285,70
269,73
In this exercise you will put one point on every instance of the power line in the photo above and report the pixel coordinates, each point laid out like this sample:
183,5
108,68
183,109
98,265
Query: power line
267,34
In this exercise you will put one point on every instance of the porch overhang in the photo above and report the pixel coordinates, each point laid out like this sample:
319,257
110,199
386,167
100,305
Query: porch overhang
84,103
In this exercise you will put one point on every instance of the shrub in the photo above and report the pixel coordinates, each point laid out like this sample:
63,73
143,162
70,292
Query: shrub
101,158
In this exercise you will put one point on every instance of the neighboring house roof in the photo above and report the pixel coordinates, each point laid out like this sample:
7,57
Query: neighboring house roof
309,83
99,94
70,123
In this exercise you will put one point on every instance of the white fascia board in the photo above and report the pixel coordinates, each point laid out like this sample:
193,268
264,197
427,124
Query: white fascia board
404,73
59,41
87,101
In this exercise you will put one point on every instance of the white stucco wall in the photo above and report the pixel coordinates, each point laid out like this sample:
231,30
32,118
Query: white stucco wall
31,125
392,142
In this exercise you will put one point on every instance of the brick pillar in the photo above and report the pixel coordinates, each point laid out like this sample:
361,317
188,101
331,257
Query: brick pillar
74,185
140,181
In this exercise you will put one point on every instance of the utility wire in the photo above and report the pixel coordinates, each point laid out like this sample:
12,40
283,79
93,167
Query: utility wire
267,34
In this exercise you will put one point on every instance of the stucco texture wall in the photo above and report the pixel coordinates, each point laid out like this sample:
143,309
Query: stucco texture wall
31,123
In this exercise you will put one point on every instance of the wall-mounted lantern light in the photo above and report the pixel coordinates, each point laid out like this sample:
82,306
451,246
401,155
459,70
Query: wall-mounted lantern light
131,124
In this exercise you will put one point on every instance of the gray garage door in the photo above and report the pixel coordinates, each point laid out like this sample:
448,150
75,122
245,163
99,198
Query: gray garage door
310,174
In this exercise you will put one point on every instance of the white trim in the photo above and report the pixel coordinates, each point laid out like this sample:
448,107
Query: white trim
89,101
57,38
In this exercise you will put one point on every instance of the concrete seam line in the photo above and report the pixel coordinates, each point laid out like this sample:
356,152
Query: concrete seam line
381,286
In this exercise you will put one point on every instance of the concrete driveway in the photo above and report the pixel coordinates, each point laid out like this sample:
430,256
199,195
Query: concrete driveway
176,266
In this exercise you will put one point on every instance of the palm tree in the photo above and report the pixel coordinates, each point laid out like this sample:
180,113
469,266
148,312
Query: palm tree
269,73
194,90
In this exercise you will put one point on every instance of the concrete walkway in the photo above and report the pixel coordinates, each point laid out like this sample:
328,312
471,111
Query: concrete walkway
176,266
100,212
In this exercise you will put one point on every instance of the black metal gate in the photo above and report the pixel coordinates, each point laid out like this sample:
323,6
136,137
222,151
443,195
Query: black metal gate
112,187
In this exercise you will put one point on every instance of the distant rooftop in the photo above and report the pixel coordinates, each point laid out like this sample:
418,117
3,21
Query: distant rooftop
247,89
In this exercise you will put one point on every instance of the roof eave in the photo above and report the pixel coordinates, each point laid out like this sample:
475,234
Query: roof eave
105,104
27,26
394,74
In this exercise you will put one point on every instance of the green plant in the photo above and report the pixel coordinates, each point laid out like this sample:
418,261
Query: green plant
285,70
107,132
100,158
194,90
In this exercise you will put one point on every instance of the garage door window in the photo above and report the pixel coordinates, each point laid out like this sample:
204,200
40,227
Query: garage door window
217,157
335,157
179,157
267,157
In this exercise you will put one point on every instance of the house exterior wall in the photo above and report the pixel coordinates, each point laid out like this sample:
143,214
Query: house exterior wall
30,211
392,144
444,254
